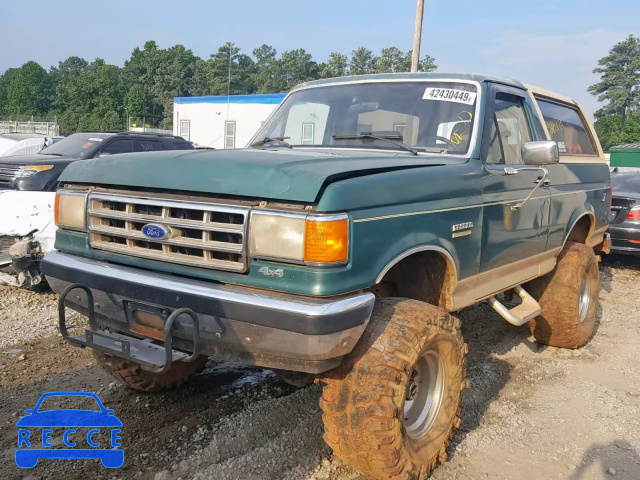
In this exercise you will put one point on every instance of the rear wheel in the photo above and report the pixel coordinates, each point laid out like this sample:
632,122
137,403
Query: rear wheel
132,375
568,298
391,407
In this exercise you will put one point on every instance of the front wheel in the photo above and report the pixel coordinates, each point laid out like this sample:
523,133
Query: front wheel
133,376
391,407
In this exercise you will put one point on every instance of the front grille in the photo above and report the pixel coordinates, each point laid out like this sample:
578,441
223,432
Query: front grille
207,235
8,173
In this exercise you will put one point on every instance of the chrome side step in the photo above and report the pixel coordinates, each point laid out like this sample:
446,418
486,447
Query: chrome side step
520,314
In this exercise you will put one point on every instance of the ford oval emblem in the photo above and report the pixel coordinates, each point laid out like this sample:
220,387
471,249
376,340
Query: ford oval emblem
156,232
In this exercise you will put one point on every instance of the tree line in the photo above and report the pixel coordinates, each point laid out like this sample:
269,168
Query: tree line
86,96
618,121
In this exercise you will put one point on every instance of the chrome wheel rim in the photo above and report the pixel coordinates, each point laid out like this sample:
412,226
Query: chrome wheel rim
585,299
424,394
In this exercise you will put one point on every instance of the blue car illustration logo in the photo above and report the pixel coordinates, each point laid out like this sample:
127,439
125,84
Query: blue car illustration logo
84,433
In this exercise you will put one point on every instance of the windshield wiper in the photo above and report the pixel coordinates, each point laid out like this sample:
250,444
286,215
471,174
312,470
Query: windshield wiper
386,138
279,140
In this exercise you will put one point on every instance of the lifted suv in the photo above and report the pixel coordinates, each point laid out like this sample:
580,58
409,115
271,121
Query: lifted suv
40,171
367,211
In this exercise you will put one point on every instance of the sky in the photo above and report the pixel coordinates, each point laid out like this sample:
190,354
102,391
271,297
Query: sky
550,44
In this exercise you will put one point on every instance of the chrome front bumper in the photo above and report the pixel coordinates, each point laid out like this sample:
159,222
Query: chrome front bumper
263,328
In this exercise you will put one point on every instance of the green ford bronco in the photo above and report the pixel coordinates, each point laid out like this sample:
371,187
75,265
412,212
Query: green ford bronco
337,245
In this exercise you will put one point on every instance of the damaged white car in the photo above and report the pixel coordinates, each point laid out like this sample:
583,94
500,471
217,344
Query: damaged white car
27,232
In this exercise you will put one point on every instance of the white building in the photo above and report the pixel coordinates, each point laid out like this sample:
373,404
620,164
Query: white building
222,122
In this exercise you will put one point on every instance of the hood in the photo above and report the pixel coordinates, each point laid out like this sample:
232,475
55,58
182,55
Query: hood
36,159
286,174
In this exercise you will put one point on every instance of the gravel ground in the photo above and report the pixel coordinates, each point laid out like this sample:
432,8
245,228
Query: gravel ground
532,412
34,313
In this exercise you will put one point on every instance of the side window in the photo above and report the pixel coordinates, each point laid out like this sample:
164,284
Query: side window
185,127
566,127
308,133
149,145
229,134
177,145
121,145
510,130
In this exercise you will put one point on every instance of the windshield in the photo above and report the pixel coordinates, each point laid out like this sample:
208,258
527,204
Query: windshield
435,117
78,145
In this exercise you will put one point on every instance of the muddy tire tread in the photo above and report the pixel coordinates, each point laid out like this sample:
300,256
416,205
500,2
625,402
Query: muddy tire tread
558,324
363,425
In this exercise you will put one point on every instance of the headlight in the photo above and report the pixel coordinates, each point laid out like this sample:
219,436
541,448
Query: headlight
30,170
70,209
312,239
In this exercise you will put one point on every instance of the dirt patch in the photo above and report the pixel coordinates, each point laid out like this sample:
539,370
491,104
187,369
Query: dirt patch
40,359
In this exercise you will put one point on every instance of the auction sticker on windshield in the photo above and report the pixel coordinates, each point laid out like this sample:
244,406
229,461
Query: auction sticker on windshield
450,95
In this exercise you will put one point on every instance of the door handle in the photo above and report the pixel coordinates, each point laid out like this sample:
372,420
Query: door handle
546,181
543,180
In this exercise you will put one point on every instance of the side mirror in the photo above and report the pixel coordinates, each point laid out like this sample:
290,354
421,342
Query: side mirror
540,153
30,410
104,154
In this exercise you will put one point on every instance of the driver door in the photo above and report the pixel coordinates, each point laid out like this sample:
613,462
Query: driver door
514,238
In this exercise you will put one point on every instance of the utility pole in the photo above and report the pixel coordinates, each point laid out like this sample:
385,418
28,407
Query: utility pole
229,82
417,37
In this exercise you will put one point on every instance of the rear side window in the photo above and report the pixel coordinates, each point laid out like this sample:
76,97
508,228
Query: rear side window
566,126
182,145
123,145
150,145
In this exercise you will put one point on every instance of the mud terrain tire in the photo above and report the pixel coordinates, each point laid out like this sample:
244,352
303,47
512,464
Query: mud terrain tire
132,375
364,399
568,298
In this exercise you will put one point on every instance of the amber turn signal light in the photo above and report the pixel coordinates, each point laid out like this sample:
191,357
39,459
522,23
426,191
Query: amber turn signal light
326,241
56,210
